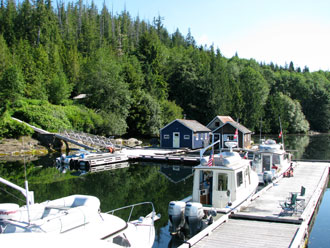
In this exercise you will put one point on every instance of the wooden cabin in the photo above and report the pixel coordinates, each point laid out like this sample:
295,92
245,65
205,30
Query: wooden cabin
226,132
182,133
218,121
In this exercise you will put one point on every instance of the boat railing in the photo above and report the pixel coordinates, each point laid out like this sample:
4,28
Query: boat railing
202,151
132,208
230,145
29,195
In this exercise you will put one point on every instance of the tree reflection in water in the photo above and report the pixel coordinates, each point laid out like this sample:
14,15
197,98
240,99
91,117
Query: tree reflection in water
158,183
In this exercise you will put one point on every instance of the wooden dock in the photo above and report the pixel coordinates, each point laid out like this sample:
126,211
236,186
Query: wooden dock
161,155
89,161
263,223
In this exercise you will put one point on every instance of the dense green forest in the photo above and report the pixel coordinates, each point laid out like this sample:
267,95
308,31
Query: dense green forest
136,77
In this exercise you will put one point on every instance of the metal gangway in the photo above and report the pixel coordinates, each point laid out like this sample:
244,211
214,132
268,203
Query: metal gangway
85,140
88,139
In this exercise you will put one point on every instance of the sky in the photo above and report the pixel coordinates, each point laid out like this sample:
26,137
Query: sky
277,31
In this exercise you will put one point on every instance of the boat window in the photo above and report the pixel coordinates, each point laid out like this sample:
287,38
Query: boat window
239,177
247,175
266,163
276,159
257,157
10,228
222,182
122,241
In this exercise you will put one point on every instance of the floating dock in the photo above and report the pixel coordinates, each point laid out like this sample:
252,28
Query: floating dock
263,222
89,161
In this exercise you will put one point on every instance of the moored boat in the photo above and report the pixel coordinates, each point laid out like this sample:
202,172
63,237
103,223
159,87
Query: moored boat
75,217
222,183
270,160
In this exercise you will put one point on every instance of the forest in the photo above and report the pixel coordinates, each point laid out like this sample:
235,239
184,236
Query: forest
73,66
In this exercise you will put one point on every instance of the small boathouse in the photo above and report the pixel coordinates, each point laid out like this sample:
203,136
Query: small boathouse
226,132
182,133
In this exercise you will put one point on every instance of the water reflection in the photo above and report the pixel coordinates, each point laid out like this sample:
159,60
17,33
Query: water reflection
115,188
137,182
176,173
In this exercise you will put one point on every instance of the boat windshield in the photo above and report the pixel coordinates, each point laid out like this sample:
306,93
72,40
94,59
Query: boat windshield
276,159
11,228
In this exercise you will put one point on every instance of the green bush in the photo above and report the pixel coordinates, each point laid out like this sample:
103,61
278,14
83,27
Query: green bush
55,118
12,129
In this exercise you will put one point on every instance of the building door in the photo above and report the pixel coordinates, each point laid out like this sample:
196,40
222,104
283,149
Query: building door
216,137
176,140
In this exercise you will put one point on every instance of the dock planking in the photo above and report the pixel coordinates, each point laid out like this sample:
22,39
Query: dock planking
245,233
263,223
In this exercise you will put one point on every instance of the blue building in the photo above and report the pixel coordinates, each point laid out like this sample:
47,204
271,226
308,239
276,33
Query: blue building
184,133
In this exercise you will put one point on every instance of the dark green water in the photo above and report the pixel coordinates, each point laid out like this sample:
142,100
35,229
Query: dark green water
158,183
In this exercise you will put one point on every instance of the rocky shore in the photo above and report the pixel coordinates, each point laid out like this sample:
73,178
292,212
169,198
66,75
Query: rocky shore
16,148
28,146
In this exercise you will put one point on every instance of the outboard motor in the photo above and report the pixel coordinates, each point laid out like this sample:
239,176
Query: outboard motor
176,215
194,214
267,177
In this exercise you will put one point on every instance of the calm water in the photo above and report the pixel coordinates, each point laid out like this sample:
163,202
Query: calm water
159,183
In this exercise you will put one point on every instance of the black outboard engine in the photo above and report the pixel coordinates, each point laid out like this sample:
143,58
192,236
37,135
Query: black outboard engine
194,214
176,216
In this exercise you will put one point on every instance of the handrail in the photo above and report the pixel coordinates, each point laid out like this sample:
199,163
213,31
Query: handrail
29,195
229,144
201,152
132,208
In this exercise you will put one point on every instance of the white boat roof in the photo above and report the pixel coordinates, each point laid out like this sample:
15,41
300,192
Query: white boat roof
271,146
225,161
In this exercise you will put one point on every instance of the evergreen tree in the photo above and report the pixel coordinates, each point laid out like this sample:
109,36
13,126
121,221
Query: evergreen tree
12,84
255,93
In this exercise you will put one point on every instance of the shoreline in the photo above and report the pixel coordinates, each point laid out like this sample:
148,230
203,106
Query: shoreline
24,146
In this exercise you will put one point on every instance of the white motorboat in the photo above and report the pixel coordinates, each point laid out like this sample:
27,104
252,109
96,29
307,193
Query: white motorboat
75,217
270,160
222,183
84,161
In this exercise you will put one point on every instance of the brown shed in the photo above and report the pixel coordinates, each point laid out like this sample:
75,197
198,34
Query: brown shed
226,132
218,121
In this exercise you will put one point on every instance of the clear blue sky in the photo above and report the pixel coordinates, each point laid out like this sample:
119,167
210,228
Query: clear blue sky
276,31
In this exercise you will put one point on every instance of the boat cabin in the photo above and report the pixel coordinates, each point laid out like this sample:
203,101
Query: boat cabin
224,184
270,157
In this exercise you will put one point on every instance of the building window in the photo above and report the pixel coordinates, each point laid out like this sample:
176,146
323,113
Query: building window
186,137
196,136
217,124
229,137
166,136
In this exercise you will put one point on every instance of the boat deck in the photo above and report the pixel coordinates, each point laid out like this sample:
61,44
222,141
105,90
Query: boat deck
263,223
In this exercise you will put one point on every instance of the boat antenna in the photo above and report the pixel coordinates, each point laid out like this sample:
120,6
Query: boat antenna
26,185
281,132
260,129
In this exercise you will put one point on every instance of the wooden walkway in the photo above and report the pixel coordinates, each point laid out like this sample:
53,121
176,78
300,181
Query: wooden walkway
244,233
263,223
